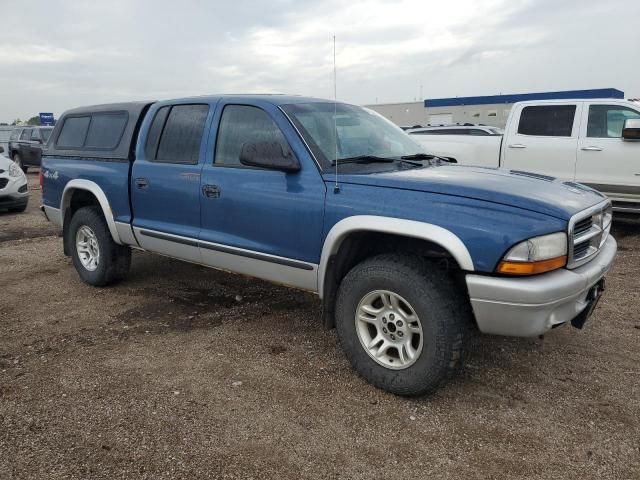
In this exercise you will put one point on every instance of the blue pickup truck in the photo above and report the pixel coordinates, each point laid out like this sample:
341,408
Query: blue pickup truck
407,252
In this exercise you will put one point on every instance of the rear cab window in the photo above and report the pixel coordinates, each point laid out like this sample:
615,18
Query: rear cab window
547,120
175,134
26,134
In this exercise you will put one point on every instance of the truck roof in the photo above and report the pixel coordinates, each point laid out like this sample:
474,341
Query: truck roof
273,98
135,112
574,100
136,107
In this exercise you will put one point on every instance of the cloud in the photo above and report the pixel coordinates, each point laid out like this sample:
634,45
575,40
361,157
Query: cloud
11,55
79,52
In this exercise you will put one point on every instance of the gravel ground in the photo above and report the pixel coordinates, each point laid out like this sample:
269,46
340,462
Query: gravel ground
185,372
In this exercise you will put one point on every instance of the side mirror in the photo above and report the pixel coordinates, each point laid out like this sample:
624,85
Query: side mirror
271,155
631,129
1,149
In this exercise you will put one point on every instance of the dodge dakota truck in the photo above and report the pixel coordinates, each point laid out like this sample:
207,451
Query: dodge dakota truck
595,142
407,253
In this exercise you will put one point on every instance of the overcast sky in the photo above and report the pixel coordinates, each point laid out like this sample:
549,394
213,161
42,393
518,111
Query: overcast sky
56,55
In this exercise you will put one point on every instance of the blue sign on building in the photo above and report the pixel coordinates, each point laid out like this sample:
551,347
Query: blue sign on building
47,119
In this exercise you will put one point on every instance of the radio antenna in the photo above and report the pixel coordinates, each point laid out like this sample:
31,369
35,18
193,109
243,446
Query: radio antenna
336,187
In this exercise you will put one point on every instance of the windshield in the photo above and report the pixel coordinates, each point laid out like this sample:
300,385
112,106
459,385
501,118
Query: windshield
46,133
353,131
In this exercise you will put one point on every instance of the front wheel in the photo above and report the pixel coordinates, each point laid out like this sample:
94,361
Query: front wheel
96,257
401,323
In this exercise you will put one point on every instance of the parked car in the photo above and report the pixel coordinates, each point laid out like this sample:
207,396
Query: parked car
5,134
466,129
594,142
14,191
405,251
26,145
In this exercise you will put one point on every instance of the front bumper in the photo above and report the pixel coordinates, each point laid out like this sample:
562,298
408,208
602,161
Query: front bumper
527,307
15,193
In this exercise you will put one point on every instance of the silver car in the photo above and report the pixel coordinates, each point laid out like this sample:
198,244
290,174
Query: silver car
14,189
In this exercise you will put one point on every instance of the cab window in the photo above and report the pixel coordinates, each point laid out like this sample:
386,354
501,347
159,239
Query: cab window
547,120
242,124
607,121
175,135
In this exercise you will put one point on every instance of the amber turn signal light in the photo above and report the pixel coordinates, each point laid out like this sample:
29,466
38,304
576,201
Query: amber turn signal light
531,268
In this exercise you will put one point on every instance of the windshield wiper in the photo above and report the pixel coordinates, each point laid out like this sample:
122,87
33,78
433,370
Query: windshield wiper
424,156
363,159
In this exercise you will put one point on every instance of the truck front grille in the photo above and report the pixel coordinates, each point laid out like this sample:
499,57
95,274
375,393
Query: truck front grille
588,231
3,182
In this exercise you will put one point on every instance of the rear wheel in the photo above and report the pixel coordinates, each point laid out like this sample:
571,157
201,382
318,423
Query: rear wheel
401,323
97,258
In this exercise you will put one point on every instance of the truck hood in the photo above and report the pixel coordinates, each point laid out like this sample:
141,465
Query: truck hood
530,191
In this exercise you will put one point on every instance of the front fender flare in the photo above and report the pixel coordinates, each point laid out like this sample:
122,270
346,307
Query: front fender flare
93,188
397,226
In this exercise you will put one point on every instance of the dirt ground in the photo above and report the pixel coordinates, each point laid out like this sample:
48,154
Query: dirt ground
185,372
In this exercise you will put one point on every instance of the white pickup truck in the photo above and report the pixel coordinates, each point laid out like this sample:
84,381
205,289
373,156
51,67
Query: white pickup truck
594,142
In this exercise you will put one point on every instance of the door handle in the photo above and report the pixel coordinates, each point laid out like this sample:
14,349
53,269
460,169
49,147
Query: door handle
142,183
211,191
591,148
517,145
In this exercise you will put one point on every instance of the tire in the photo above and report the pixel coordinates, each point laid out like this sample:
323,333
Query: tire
112,261
443,319
19,209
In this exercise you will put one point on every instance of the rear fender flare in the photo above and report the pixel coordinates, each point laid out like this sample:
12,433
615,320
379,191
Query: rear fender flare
93,188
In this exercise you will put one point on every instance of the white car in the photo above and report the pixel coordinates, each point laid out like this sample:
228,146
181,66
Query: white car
466,144
14,188
457,129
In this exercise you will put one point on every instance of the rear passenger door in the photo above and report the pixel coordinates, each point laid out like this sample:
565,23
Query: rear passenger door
165,181
543,140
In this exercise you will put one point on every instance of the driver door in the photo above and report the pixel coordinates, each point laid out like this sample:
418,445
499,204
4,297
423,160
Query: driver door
605,161
260,222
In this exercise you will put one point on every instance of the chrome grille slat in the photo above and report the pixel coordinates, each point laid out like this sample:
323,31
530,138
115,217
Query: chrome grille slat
583,226
588,230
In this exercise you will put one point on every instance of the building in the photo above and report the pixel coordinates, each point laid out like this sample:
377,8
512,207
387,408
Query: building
490,110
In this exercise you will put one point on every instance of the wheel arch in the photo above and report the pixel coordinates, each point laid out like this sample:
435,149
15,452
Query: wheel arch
355,238
94,189
446,239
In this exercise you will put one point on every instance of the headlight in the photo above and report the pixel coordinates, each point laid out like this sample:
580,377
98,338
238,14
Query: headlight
536,255
15,170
